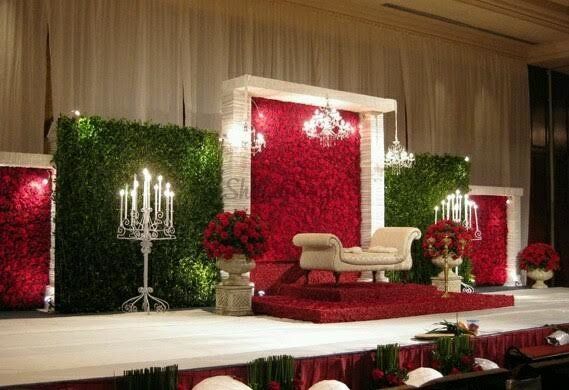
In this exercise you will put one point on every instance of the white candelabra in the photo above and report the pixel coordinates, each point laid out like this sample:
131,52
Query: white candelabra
148,223
460,209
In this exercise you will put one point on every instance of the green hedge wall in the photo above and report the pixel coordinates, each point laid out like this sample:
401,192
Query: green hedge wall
411,196
95,157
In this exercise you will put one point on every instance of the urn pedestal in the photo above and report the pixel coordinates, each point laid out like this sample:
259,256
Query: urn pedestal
540,276
233,295
447,280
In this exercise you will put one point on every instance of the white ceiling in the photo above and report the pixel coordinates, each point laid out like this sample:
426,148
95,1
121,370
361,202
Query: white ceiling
535,30
531,21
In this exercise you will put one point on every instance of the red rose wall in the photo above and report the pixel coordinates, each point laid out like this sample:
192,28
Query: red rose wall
297,185
489,255
25,236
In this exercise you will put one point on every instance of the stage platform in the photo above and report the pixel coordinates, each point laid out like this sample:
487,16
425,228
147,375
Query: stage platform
57,348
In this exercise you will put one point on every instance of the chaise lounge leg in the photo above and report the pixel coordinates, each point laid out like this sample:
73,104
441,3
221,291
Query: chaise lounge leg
373,276
337,277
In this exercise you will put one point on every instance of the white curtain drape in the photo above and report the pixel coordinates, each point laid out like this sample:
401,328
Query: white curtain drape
142,59
22,75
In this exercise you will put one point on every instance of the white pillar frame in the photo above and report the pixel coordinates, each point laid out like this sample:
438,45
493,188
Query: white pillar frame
514,216
41,161
236,179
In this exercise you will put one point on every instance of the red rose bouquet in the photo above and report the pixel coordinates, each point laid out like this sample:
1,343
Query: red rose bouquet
447,238
232,233
454,355
539,256
387,372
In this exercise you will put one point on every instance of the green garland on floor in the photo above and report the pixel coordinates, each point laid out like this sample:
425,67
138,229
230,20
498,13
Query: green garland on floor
411,196
95,157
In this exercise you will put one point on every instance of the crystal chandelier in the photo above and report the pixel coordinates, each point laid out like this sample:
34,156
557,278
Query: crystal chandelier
243,135
396,156
256,140
327,125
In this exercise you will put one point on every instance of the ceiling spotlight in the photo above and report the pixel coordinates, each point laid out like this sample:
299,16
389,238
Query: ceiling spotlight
467,159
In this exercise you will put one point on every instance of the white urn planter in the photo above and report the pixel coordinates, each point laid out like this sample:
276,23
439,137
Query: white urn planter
447,280
236,267
540,276
233,294
451,263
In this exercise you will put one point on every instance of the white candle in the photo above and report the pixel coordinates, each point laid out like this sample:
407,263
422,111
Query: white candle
171,209
476,215
122,206
135,194
466,210
443,209
460,207
436,213
125,202
167,195
132,212
155,201
146,188
448,207
159,192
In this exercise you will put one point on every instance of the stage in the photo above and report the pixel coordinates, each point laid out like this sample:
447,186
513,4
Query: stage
56,348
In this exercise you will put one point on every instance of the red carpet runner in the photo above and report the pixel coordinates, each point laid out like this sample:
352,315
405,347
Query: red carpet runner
324,303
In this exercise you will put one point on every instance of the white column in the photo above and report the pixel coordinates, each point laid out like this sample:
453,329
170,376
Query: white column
236,170
372,174
514,216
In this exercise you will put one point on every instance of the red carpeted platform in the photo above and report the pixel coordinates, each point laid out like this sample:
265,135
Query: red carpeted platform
325,303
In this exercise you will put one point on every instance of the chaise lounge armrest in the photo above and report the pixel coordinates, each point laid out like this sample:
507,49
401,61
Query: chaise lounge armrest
316,240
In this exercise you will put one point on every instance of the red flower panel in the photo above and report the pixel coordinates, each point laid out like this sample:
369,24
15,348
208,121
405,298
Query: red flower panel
25,236
299,185
489,255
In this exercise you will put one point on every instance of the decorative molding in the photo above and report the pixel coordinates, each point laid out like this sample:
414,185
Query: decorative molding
397,20
543,13
26,160
551,55
237,161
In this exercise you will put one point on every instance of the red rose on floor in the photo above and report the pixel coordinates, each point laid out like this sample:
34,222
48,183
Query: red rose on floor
467,360
392,379
377,374
274,385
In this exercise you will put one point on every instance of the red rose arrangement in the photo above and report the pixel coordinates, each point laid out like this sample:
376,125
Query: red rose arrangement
454,355
388,373
232,233
447,238
539,256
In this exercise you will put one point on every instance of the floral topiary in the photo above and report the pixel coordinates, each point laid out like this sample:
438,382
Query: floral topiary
447,238
539,256
232,233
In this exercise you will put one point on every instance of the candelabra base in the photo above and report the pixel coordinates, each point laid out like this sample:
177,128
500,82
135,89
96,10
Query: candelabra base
144,298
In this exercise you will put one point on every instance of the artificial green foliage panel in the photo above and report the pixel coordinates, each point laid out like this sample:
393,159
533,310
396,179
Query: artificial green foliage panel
95,158
411,196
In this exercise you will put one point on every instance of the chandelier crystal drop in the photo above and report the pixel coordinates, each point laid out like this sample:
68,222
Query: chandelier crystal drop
397,157
327,125
256,140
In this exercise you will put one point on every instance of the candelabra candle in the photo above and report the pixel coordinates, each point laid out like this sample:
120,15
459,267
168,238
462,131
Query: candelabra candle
452,209
145,227
121,214
155,201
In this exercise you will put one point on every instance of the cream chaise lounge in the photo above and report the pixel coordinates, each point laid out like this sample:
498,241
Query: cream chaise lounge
389,250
